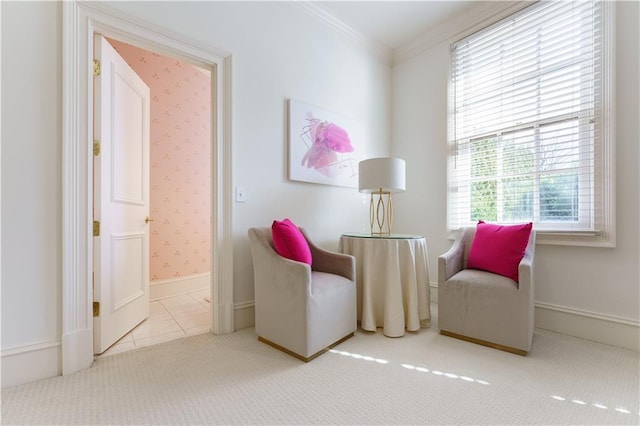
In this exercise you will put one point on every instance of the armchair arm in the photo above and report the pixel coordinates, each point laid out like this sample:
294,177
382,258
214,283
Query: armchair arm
274,273
451,262
331,262
525,267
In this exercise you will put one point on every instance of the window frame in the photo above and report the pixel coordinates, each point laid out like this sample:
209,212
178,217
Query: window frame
603,175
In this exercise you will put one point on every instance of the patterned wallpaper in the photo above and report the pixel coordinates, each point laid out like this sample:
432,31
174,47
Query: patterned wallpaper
180,243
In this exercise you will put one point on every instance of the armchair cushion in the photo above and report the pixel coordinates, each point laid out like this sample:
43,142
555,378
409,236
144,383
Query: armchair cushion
499,248
289,241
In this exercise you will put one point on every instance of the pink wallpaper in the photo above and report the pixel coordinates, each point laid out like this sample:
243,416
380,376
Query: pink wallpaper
180,242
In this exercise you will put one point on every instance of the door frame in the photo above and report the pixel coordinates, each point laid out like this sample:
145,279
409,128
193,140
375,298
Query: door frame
80,21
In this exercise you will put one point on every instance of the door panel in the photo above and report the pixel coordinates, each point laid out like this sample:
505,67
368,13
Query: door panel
128,270
121,197
128,140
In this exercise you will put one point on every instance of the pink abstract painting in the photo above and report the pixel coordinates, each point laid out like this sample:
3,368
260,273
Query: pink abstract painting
322,146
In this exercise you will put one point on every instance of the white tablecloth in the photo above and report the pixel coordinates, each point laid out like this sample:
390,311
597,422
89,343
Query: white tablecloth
392,280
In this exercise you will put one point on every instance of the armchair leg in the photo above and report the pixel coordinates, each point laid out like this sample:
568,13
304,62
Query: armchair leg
484,343
300,357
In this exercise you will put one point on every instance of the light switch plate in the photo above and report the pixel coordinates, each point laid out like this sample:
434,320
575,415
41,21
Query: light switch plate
241,195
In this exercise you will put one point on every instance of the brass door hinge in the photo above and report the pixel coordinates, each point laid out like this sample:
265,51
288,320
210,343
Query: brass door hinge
96,67
96,147
96,228
96,309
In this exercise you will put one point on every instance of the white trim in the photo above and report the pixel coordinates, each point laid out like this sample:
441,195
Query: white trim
477,17
244,305
588,314
245,315
34,347
433,293
608,108
222,197
77,352
80,21
161,289
29,363
600,328
320,13
1,159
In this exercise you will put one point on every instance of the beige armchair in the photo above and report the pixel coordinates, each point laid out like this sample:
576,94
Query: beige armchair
483,307
300,309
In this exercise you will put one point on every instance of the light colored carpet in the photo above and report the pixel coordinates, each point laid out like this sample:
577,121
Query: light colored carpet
422,378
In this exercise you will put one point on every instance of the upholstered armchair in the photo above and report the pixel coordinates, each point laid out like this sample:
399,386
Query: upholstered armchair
485,307
302,309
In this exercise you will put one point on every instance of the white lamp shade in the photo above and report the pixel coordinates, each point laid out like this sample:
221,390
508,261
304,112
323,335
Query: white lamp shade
387,174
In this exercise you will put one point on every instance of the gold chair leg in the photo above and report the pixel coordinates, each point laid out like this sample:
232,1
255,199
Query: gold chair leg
484,343
300,357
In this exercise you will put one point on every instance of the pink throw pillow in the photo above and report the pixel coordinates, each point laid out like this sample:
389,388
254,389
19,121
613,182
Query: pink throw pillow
289,241
499,248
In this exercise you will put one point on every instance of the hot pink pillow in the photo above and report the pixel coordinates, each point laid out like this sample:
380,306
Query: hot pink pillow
289,241
499,248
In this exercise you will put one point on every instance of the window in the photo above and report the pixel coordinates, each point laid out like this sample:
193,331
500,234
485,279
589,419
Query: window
531,132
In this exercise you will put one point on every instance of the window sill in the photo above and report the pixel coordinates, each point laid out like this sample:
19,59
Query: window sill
567,238
581,239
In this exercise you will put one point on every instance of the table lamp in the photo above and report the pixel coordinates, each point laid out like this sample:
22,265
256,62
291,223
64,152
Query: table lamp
380,177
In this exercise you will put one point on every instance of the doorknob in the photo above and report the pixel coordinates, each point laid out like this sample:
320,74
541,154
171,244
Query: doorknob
147,219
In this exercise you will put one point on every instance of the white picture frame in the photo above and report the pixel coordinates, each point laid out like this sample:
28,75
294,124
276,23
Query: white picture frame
324,147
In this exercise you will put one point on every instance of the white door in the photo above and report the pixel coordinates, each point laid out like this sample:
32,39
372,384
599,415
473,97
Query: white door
121,198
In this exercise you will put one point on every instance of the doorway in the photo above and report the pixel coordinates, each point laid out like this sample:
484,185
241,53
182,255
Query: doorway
179,220
80,21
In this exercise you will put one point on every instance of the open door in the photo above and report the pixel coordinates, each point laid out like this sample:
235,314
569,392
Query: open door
121,198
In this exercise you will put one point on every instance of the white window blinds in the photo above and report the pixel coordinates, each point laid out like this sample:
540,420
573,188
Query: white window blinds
527,120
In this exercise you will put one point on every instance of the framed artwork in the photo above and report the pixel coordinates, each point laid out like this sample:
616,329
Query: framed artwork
324,147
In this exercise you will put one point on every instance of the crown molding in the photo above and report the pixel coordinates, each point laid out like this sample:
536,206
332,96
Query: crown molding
314,9
475,18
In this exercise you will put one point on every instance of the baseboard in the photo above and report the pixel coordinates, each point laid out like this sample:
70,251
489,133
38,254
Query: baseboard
30,363
176,286
433,292
244,315
589,325
80,344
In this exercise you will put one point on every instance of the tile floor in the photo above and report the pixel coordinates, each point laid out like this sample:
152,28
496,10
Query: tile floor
169,319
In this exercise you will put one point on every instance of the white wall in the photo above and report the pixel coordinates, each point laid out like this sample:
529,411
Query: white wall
31,185
278,52
598,286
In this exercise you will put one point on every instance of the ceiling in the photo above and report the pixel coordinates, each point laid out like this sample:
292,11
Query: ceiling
395,23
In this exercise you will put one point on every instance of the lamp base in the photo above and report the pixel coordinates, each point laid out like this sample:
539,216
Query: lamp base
381,213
